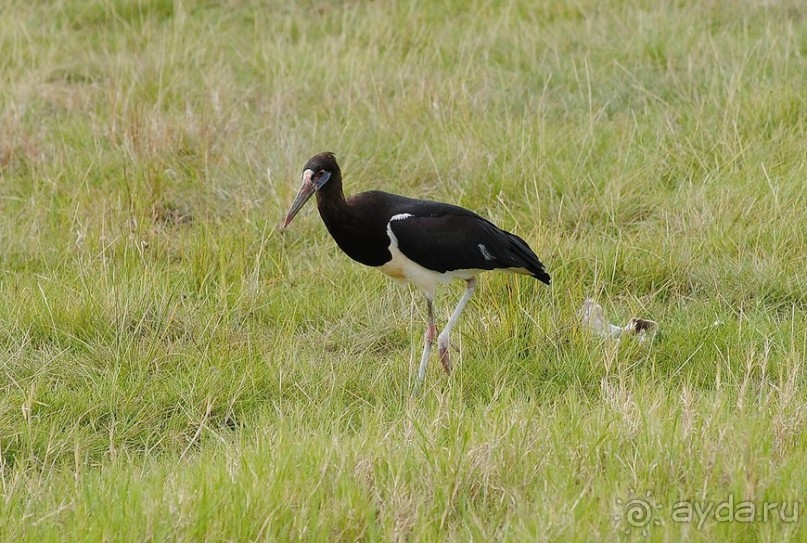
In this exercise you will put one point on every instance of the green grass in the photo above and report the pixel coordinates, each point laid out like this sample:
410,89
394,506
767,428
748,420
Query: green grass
175,368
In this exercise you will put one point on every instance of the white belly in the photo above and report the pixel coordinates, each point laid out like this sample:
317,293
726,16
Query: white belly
403,270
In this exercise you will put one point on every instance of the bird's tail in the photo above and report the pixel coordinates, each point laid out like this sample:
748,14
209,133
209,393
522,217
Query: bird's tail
528,259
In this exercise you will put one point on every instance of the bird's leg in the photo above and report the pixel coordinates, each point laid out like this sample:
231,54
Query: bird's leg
428,341
442,339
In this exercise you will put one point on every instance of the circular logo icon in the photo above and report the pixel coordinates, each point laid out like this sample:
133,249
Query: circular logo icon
637,512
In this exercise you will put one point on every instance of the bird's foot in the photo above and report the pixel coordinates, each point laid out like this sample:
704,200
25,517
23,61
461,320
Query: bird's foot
445,356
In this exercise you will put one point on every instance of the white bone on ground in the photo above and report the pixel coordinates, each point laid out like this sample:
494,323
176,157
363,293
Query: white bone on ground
593,317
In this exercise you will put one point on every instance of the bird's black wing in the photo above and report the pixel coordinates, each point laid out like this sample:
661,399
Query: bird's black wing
448,238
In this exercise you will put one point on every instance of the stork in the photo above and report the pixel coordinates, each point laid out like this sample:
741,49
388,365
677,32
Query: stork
419,242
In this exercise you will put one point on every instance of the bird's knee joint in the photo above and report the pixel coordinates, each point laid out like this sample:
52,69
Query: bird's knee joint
431,333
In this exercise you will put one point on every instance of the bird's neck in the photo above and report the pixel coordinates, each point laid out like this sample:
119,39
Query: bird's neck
331,199
359,230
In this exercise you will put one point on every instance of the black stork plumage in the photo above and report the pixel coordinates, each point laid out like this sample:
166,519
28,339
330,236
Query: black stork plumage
420,242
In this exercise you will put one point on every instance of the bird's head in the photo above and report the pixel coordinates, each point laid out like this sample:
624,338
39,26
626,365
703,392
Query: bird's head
316,172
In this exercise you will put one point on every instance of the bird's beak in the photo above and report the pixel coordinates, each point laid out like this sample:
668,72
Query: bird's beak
307,189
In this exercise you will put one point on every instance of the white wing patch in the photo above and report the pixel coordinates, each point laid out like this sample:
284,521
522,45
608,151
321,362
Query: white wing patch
400,217
485,253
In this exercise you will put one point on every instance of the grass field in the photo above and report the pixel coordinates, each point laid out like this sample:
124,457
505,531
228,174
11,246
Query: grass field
175,368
